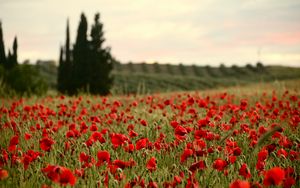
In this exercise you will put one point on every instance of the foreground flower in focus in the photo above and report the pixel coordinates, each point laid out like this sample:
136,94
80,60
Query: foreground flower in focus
60,174
240,184
274,176
3,174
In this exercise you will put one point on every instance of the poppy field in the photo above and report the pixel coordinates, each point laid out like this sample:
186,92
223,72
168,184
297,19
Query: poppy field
239,137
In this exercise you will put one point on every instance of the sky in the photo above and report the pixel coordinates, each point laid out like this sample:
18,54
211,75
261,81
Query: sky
201,32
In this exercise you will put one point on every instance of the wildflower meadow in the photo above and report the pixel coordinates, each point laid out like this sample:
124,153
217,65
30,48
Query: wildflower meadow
239,137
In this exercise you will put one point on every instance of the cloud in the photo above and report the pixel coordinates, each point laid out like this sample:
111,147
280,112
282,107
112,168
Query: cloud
166,31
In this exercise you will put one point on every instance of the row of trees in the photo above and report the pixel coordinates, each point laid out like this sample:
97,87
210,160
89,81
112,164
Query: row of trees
189,70
15,78
87,66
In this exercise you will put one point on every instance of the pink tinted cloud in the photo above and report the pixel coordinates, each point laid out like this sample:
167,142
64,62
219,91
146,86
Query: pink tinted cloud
286,38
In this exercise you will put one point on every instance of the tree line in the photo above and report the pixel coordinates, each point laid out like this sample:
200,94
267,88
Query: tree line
85,67
15,78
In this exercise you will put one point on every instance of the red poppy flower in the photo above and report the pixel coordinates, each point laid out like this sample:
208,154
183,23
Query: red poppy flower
198,165
232,159
244,171
240,184
198,134
29,157
132,133
103,156
123,164
97,136
262,130
192,182
83,157
3,174
144,122
294,155
59,174
129,148
151,164
46,143
289,182
83,127
237,151
262,155
152,184
186,153
281,152
93,127
14,141
27,136
203,122
67,177
260,165
177,180
274,176
70,134
174,124
180,131
219,164
118,139
79,172
141,143
3,158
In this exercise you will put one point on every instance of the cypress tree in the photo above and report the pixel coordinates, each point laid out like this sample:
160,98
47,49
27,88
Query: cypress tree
60,74
15,53
100,66
9,61
2,47
87,67
68,51
12,58
68,85
64,82
81,57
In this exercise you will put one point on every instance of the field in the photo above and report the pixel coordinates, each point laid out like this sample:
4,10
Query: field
236,137
146,78
152,78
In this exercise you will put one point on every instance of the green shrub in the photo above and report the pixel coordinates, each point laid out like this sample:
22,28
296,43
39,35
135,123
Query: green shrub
26,80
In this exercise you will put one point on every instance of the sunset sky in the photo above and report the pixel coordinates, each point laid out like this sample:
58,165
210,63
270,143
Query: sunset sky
167,31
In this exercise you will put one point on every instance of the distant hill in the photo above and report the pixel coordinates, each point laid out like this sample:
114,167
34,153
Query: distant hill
148,78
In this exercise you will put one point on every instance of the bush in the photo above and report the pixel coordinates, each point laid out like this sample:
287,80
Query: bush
26,80
251,68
